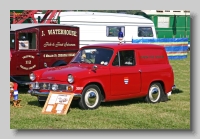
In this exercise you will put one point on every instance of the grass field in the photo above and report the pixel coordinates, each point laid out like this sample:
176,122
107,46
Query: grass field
128,114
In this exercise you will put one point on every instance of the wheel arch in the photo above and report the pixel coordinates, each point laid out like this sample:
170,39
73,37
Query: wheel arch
100,87
161,83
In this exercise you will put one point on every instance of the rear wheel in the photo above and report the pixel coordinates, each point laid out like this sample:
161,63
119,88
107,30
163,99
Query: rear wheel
91,97
155,93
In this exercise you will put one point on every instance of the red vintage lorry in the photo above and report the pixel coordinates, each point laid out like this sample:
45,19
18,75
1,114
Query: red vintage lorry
109,72
36,46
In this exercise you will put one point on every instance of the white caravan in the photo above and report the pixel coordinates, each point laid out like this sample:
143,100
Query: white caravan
97,27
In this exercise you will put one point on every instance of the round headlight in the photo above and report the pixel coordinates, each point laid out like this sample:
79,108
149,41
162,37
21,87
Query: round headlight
54,87
70,78
32,76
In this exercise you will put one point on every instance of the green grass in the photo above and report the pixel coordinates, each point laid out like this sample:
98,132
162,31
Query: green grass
127,114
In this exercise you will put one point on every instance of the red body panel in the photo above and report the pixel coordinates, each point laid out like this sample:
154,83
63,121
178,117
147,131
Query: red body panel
117,82
53,43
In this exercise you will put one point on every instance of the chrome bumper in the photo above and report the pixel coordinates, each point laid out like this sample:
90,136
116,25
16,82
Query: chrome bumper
45,94
173,87
170,93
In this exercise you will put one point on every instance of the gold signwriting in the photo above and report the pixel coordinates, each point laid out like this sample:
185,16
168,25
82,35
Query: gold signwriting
58,44
27,68
28,56
59,55
151,56
28,62
62,32
43,33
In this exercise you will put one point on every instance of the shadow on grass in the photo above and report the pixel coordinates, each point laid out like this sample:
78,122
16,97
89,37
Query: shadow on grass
123,102
34,103
177,91
23,89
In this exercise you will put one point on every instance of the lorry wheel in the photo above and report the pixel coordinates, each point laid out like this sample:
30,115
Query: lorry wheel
91,97
155,93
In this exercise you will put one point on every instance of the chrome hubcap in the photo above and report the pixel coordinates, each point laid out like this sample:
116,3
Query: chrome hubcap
91,98
154,93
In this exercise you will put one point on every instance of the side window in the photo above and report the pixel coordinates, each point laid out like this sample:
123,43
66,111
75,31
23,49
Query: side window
127,58
145,32
124,58
112,31
12,41
27,41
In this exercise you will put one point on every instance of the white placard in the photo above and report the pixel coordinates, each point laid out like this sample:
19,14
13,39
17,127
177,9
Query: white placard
49,108
163,22
59,107
64,99
53,99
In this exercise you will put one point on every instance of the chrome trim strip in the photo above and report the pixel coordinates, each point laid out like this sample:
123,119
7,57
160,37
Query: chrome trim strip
37,93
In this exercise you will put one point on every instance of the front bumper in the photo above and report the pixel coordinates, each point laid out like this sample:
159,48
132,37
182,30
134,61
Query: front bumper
45,94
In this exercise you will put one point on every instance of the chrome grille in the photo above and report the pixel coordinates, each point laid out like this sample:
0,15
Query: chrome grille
48,86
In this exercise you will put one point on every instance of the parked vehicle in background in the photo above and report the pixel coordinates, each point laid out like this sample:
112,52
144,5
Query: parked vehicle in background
36,46
109,72
97,27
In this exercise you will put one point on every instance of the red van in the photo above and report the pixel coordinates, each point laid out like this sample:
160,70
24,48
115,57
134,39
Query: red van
109,72
36,46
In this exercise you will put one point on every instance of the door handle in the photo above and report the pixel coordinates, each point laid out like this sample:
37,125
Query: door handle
140,71
38,54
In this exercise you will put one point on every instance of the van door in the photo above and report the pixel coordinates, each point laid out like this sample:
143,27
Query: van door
125,75
28,53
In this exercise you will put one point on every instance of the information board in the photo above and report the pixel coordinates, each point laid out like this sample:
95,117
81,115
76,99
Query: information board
57,103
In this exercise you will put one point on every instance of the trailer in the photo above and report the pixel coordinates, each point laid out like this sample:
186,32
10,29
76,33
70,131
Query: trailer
97,27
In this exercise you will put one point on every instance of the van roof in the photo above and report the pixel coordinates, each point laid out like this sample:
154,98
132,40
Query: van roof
14,27
125,45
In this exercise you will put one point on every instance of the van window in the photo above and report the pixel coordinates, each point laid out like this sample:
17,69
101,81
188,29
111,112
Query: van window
124,58
27,41
12,41
145,32
112,31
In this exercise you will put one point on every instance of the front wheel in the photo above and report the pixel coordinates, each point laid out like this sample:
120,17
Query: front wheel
91,97
155,93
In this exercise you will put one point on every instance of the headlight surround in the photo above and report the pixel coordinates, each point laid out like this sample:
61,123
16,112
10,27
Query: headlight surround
70,78
32,76
54,87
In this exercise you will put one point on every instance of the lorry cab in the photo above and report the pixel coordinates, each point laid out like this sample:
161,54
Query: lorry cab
37,46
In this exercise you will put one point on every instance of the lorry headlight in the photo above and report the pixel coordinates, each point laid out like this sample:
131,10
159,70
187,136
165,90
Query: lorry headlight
54,87
32,76
70,78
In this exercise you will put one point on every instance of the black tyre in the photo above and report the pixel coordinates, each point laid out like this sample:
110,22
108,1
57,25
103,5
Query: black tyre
155,93
91,97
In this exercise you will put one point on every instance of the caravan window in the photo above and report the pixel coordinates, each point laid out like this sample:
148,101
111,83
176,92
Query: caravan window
145,32
112,31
